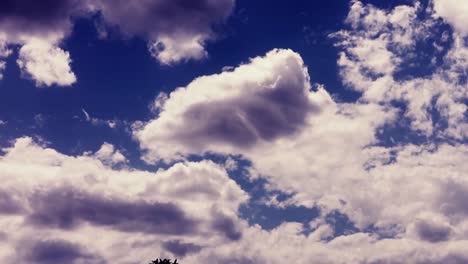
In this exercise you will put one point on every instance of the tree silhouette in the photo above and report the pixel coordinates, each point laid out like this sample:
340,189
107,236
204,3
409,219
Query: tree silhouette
163,261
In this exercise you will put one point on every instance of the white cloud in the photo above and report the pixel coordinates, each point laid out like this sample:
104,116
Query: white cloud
325,144
175,31
299,139
40,186
169,50
113,211
454,12
108,155
331,159
380,44
4,52
286,242
265,99
46,64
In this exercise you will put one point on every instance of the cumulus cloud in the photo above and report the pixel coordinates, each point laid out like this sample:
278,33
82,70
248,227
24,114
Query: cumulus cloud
52,196
39,29
57,251
175,30
286,242
265,99
377,57
108,155
406,201
331,155
454,12
181,249
303,120
45,64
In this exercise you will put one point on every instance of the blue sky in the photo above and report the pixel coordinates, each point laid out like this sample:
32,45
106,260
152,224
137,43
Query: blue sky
334,131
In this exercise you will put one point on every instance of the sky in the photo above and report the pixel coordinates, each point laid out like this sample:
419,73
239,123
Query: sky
234,131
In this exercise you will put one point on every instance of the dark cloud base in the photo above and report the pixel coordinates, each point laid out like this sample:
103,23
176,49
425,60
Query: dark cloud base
66,209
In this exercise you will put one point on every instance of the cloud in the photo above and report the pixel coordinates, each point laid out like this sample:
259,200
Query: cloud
83,201
454,12
433,232
265,99
39,30
406,201
9,204
181,249
286,242
58,251
2,67
124,215
175,30
21,20
108,155
335,155
377,58
304,120
65,209
228,227
45,64
4,52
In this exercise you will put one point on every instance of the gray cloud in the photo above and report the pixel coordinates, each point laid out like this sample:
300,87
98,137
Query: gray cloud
58,252
175,30
432,232
261,101
65,209
148,19
228,227
153,18
181,249
453,197
29,16
235,260
8,204
242,122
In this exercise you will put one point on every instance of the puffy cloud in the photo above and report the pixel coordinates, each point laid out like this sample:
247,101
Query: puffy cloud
179,248
52,209
82,201
176,30
109,155
406,201
57,251
454,12
266,99
169,50
287,119
20,20
379,48
39,29
286,242
46,64
329,154
432,232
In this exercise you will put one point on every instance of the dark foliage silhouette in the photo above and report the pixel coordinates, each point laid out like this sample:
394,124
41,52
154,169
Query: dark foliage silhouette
163,261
